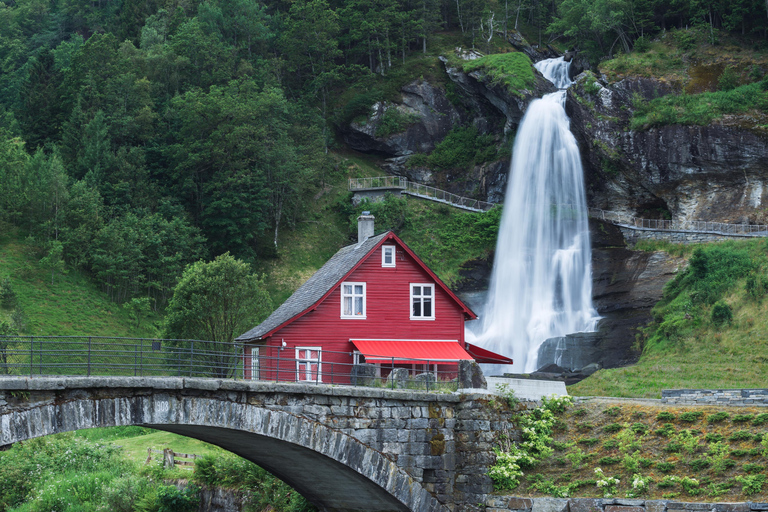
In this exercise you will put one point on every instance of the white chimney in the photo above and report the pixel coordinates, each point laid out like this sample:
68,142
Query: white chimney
364,227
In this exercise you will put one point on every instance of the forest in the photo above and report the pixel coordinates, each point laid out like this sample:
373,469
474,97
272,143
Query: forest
140,136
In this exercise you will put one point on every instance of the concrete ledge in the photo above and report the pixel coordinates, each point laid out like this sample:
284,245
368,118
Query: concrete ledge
498,503
528,389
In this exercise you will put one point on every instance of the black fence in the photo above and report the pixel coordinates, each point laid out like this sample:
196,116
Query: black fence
31,356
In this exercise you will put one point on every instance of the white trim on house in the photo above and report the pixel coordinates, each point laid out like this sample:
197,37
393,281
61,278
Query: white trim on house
304,364
353,300
388,256
422,301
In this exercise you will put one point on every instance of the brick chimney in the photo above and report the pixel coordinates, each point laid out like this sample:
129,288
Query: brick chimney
364,227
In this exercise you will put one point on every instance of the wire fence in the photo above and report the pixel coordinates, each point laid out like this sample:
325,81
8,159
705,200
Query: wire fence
38,356
697,226
419,190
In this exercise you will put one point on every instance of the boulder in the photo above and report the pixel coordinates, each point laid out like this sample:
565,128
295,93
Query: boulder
471,376
398,378
363,375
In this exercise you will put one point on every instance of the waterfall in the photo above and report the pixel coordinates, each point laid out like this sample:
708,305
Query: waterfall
541,284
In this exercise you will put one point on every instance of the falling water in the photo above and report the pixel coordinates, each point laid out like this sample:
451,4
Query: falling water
541,284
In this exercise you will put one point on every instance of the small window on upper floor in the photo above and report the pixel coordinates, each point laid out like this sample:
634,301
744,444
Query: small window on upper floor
387,255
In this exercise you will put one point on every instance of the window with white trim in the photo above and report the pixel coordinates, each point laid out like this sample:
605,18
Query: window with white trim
387,255
422,301
309,364
352,300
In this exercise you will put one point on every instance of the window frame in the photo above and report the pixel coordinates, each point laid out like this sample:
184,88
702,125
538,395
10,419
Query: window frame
421,296
255,362
392,250
353,295
307,371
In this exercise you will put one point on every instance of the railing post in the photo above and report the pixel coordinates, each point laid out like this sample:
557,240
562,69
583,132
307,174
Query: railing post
89,356
31,354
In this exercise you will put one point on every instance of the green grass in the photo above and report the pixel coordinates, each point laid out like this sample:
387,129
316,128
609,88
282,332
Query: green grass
684,347
511,70
70,305
699,109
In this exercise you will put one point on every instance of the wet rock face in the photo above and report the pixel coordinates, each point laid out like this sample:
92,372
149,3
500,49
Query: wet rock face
717,172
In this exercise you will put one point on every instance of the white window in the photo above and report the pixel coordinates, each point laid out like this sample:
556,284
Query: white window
422,301
387,255
308,364
352,300
255,363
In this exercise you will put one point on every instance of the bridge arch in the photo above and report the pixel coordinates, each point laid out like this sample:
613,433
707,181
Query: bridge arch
330,468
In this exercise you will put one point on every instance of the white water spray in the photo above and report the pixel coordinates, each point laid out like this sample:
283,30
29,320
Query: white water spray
541,285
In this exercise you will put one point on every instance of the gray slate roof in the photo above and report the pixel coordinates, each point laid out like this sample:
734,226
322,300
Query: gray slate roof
316,286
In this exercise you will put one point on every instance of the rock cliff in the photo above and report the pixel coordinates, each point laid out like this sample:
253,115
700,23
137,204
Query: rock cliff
717,172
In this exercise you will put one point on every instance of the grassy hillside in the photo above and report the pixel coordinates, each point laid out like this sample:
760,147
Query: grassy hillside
655,452
709,331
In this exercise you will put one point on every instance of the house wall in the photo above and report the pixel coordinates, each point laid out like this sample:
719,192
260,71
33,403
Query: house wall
387,316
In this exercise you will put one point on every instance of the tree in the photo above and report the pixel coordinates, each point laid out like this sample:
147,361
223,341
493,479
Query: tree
54,260
216,301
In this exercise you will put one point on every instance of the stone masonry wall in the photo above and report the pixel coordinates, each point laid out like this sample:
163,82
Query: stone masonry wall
633,235
740,397
512,503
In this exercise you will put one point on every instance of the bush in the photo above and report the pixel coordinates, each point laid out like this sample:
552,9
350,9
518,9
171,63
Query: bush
588,441
609,461
394,121
728,80
666,431
721,313
7,295
760,419
613,411
718,417
741,435
752,484
172,499
699,464
713,437
612,428
743,418
461,148
665,467
665,416
691,416
642,45
639,428
752,468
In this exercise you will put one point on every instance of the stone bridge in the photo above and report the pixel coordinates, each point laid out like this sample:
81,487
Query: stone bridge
343,448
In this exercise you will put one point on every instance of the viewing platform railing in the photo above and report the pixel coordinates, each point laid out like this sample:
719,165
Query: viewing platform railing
696,226
418,190
44,356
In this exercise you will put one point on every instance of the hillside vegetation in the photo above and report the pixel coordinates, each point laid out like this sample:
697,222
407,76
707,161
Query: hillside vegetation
604,448
709,330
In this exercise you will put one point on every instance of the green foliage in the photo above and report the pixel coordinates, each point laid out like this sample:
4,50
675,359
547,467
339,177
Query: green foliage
608,461
613,411
756,286
699,109
639,428
612,428
642,45
760,419
514,71
753,468
740,435
394,121
718,417
665,431
721,313
171,499
728,80
217,301
752,484
460,149
7,295
714,437
665,467
665,416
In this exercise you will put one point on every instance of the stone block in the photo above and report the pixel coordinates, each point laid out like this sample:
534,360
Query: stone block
732,507
628,502
585,505
516,503
550,505
758,506
622,508
655,505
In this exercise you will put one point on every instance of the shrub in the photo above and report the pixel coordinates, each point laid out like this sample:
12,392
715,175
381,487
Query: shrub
612,428
728,80
751,484
721,313
665,416
580,412
743,418
172,499
667,482
741,435
394,121
713,437
511,70
718,417
752,468
691,416
673,447
642,45
613,411
607,483
584,427
699,464
7,295
739,453
639,428
589,441
760,419
691,485
665,467
462,147
608,461
611,444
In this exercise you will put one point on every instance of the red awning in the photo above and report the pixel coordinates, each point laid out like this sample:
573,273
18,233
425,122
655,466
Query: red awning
411,351
482,355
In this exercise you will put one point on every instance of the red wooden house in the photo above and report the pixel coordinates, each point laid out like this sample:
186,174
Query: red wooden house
374,302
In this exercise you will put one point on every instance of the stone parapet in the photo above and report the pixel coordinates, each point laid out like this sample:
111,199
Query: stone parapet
634,235
513,503
737,397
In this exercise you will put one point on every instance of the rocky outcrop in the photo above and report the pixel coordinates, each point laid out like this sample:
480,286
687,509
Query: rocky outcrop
426,109
717,172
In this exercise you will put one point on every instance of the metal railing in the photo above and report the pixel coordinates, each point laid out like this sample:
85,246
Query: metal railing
37,356
419,190
696,226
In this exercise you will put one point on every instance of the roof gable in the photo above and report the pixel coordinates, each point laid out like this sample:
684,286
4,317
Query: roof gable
325,280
